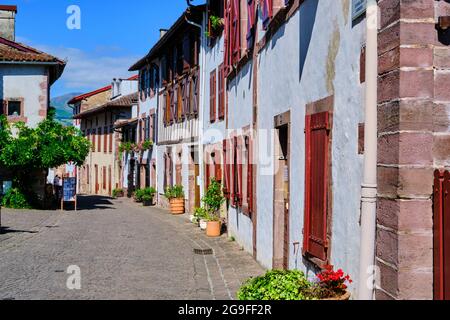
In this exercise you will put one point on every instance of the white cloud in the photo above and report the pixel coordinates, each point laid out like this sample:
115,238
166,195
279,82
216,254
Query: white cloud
85,69
89,69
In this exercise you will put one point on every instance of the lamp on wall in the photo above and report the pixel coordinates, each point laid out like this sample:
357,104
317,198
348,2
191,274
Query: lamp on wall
444,23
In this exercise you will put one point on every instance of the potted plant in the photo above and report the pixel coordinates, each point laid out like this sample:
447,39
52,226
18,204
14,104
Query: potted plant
147,196
118,193
200,217
175,195
213,201
138,195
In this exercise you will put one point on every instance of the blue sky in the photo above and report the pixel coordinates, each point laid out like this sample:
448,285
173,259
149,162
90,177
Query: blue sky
113,35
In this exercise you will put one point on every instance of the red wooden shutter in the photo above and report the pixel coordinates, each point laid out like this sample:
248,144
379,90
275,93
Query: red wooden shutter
251,22
267,12
249,174
111,136
221,93
240,172
441,248
212,96
3,107
105,139
235,31
316,189
226,164
93,137
227,36
233,165
207,172
104,178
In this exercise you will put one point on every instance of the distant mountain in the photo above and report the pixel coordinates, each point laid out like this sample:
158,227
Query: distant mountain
63,112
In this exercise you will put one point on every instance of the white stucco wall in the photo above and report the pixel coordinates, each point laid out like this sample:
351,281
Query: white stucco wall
28,82
240,116
282,87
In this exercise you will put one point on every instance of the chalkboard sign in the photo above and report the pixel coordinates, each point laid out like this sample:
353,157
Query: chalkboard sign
69,191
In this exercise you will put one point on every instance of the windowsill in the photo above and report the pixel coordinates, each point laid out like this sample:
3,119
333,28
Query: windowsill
15,119
316,261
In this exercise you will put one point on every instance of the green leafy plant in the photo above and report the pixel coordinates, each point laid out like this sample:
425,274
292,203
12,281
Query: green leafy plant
138,194
276,285
146,145
31,150
175,192
117,193
213,200
200,213
216,22
125,147
147,194
15,199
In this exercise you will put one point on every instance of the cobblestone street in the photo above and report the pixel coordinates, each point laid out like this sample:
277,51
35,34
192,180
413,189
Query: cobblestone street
124,251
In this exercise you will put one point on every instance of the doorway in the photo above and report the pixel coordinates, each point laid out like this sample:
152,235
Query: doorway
281,195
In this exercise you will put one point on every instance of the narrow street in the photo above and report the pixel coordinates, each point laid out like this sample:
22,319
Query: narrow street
124,251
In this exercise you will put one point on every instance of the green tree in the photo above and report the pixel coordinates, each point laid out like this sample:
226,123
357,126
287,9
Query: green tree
24,150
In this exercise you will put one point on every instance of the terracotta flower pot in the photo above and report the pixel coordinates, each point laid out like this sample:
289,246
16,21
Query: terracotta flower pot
177,206
213,229
344,297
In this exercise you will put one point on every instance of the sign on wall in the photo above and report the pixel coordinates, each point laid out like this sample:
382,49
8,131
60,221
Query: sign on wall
358,8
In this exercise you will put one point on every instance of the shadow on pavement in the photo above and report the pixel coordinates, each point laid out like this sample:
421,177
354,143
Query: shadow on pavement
6,230
91,203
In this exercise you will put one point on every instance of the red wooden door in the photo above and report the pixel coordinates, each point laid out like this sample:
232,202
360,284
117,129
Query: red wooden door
442,235
96,180
316,187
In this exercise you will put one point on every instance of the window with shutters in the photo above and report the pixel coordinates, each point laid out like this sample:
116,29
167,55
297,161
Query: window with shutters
317,132
221,95
212,96
88,175
215,11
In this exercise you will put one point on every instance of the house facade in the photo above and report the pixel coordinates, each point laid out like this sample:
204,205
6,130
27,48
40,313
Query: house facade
96,114
171,75
26,77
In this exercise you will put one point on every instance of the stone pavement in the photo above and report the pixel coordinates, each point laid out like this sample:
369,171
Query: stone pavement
124,251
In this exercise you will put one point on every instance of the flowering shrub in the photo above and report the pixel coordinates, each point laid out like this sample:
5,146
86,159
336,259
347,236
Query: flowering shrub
331,283
293,285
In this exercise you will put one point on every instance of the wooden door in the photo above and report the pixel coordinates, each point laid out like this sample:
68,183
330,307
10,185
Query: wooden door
97,187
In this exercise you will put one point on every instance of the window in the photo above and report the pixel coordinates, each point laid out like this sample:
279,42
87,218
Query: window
315,242
212,97
11,108
111,135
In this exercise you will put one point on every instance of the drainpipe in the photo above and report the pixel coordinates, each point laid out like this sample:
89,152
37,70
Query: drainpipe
369,186
203,45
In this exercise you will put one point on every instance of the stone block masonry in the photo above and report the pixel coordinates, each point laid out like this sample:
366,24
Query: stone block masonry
414,139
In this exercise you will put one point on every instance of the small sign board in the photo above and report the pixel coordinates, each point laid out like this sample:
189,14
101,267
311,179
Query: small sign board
69,192
358,8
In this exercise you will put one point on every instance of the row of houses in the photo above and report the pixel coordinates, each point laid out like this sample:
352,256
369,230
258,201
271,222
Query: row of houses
324,121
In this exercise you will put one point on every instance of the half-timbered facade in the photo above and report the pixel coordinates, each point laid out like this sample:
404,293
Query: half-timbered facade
172,71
